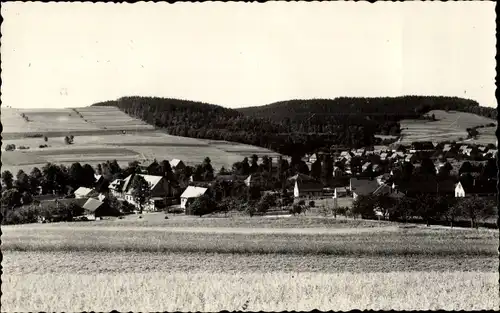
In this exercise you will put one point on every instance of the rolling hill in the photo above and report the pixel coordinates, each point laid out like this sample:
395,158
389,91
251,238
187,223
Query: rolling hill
103,133
296,127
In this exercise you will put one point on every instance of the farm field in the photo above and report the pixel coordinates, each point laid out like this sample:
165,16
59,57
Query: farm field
259,263
102,134
450,125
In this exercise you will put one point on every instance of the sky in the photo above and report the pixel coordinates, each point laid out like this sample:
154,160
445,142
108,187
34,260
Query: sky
245,54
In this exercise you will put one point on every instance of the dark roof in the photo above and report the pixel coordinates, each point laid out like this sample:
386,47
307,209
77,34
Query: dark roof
310,186
363,187
431,186
52,203
481,187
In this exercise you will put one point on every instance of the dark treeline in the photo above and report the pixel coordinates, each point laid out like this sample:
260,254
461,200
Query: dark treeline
292,127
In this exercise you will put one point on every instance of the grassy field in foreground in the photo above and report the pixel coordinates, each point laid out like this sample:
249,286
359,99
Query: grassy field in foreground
204,291
383,241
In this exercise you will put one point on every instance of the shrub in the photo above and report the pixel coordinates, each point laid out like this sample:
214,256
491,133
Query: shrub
45,138
10,147
203,205
23,147
42,146
312,203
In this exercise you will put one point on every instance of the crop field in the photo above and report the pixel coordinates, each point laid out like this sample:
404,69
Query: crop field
102,134
449,126
213,264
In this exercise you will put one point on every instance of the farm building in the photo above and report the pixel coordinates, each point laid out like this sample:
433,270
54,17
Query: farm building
190,194
340,192
161,191
177,165
84,192
306,186
486,188
160,188
94,209
413,188
362,187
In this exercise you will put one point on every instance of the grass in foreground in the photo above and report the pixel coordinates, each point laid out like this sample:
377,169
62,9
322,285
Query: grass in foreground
397,242
32,262
202,291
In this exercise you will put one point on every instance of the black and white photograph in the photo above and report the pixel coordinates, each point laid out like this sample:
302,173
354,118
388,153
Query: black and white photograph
242,156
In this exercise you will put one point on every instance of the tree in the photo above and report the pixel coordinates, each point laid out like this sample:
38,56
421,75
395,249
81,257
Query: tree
223,171
364,206
22,181
203,205
76,175
141,192
11,198
476,208
265,203
267,164
316,169
427,168
99,169
88,178
7,179
68,140
254,167
35,179
208,170
327,168
45,138
451,211
166,170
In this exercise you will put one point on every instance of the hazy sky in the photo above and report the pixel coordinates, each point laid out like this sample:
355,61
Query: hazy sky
238,54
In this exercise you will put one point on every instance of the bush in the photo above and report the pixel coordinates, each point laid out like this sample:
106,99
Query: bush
10,147
203,205
42,146
23,147
312,203
45,138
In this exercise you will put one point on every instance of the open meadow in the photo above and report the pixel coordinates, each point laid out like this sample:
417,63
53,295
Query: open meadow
102,134
449,126
241,263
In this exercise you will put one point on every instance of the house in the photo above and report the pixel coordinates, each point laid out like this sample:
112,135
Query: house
366,166
177,165
148,166
412,188
485,188
340,192
161,191
98,179
382,179
313,158
337,171
95,209
346,155
253,179
306,186
362,187
190,194
421,146
446,148
83,192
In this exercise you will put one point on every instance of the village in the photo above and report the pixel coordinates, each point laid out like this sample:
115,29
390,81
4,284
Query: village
333,181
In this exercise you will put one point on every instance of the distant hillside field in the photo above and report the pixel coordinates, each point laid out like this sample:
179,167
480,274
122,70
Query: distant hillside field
102,134
450,126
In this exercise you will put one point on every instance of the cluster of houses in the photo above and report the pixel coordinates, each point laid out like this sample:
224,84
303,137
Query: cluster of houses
378,162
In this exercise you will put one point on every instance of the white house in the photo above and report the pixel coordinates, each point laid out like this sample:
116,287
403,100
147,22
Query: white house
84,192
190,194
459,191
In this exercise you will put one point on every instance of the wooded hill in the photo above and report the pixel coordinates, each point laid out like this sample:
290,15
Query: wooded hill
291,127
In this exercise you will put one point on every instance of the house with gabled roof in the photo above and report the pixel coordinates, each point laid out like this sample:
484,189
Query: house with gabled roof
362,187
161,191
177,165
189,195
306,186
84,192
